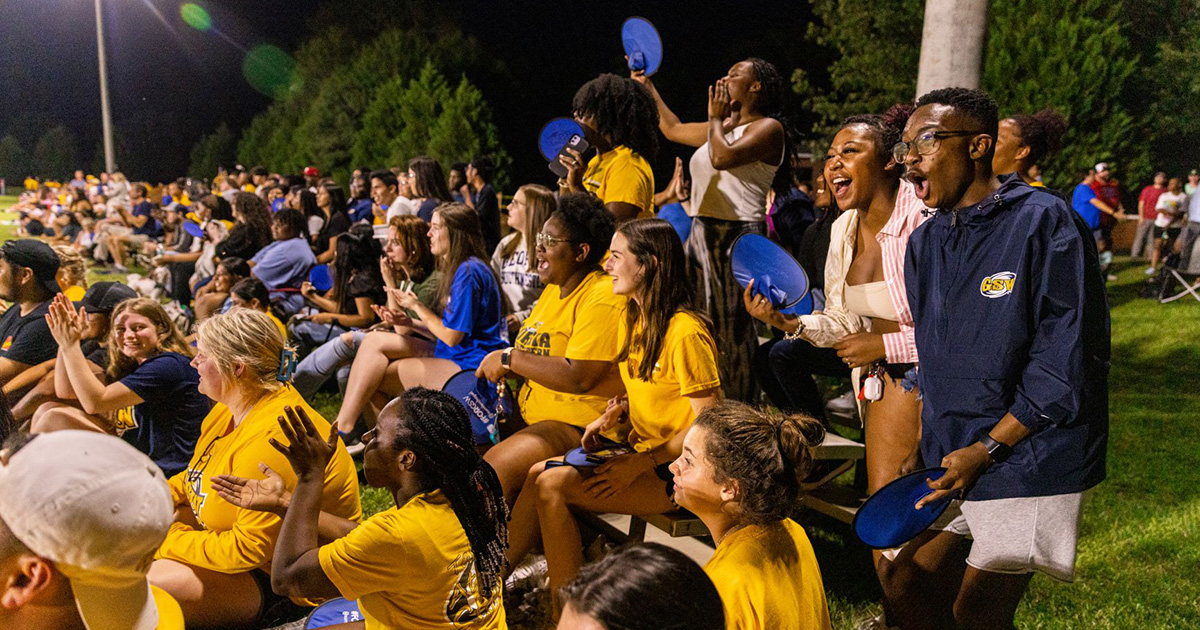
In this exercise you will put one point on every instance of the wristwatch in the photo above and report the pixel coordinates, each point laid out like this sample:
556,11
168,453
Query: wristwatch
998,451
506,359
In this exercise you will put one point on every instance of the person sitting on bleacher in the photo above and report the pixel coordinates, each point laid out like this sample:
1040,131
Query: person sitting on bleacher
406,259
149,396
27,280
99,301
357,286
283,265
668,365
431,561
465,326
137,227
566,347
216,559
740,472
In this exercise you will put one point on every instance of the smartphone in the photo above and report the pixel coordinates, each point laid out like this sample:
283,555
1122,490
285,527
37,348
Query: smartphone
577,142
605,454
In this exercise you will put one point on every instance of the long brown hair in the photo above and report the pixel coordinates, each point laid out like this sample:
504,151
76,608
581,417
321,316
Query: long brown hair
539,205
169,338
412,232
665,290
465,233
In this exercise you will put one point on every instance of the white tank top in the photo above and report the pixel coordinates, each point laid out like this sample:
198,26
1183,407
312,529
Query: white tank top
736,194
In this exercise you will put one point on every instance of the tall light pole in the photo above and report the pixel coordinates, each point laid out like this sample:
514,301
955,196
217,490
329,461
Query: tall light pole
110,156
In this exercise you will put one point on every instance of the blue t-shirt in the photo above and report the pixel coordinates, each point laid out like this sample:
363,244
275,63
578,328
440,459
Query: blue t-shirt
1081,200
284,265
150,227
360,210
166,424
474,310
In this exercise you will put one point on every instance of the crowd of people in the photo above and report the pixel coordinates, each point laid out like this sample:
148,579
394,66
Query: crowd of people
964,302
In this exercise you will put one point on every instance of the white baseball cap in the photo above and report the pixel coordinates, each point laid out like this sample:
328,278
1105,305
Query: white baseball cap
1101,167
99,509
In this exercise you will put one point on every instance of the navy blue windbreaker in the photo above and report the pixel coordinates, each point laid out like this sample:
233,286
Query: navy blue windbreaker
1011,317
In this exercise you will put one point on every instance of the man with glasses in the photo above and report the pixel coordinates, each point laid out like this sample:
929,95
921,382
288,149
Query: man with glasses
1014,353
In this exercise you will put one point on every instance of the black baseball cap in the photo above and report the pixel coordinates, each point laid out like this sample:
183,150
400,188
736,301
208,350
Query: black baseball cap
103,297
37,256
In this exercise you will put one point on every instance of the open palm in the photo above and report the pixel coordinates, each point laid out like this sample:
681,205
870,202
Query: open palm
263,495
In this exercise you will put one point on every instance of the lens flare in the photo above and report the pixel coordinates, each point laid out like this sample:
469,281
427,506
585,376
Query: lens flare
195,16
270,70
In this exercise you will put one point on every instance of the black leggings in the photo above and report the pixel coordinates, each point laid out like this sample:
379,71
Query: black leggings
785,369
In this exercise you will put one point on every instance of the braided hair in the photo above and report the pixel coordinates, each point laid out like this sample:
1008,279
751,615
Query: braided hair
770,102
435,426
623,110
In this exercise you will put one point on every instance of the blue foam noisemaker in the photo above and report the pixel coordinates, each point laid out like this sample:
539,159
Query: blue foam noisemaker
480,398
889,518
775,273
555,134
320,278
193,228
643,46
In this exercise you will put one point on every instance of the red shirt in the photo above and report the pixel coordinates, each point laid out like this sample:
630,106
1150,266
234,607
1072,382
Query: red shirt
1149,199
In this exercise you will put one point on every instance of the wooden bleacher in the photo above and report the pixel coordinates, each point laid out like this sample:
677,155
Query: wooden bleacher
829,498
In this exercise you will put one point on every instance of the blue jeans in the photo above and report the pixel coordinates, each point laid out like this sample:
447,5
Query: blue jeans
333,356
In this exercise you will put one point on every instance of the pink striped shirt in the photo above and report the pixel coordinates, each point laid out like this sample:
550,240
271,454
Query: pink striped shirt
829,326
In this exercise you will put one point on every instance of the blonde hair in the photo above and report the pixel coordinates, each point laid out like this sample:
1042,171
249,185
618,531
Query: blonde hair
169,338
246,336
72,263
540,203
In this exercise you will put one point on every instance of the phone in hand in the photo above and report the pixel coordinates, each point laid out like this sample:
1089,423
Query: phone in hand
577,142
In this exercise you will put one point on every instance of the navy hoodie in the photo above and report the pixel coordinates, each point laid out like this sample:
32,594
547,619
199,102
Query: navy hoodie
1011,317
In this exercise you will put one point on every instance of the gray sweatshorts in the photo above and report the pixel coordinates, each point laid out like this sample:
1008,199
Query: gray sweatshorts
1021,535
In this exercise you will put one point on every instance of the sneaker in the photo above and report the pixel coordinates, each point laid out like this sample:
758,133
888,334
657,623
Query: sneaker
355,447
873,623
1149,271
120,268
844,408
1111,277
531,572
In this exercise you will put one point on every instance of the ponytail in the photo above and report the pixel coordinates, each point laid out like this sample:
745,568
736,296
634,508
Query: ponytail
768,454
435,427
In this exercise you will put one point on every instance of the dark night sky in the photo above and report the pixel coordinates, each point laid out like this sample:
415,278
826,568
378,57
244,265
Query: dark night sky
161,70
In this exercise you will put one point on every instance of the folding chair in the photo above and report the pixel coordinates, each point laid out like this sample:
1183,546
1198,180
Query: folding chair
1175,283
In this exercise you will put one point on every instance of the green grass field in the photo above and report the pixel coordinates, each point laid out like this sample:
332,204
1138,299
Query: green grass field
1139,555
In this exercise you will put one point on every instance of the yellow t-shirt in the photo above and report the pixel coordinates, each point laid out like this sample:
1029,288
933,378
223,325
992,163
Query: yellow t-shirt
232,539
75,293
768,578
659,409
620,175
411,567
170,615
278,324
581,326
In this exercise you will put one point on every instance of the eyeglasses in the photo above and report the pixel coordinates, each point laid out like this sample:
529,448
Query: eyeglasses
926,143
544,240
